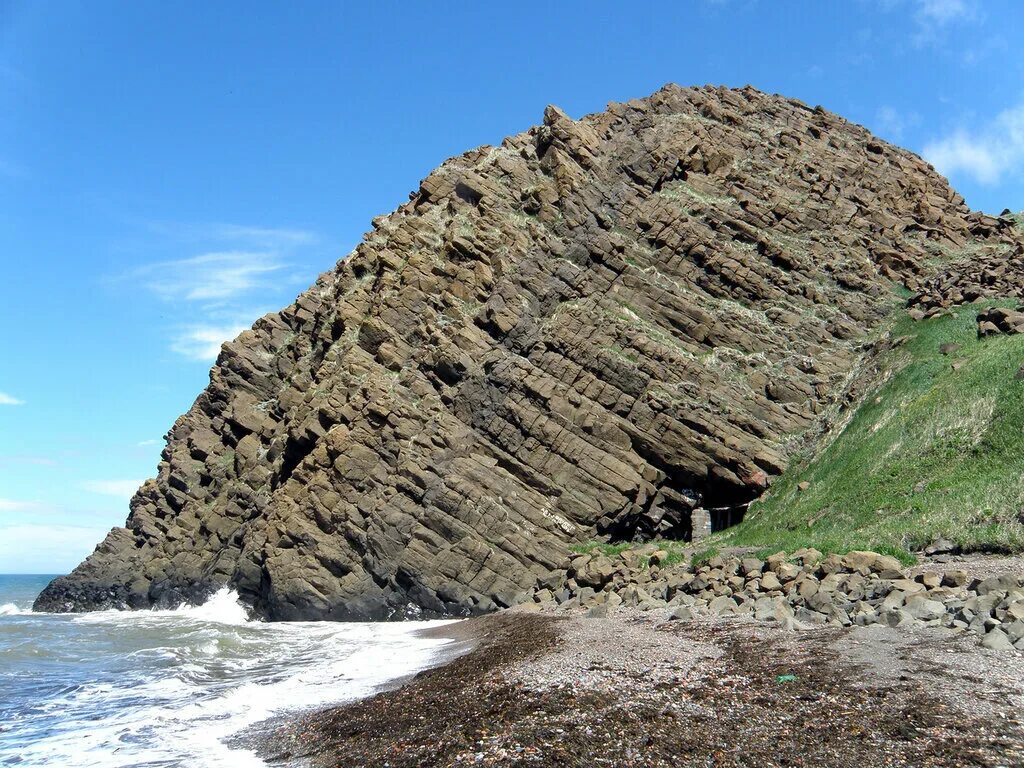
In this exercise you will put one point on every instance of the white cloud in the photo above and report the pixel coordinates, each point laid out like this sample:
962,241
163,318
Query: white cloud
210,276
213,293
239,235
203,342
264,237
39,461
985,153
934,18
145,443
890,123
943,11
122,489
14,505
6,399
237,267
11,170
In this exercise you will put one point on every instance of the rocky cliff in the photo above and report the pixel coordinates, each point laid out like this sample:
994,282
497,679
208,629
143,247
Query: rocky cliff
591,330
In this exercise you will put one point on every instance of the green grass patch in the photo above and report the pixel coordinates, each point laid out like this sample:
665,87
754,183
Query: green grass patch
604,548
674,557
701,557
936,451
675,550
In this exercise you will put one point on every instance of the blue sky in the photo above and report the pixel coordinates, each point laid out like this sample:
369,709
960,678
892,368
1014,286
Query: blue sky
171,171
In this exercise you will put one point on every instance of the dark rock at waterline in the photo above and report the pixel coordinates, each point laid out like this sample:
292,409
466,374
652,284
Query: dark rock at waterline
593,329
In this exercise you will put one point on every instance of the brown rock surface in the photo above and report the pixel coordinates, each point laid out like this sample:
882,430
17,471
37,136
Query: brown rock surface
988,265
1000,320
591,329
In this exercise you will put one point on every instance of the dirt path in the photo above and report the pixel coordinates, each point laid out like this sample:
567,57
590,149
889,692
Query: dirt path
635,690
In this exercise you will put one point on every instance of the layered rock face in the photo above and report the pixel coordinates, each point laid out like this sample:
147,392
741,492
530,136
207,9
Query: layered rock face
991,265
591,330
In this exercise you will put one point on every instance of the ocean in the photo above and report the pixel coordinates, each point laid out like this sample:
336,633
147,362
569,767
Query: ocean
171,688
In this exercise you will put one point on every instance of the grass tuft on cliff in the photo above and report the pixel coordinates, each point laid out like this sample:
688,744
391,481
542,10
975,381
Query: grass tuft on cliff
938,450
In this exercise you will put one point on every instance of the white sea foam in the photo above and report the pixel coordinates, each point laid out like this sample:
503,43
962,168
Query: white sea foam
10,609
223,607
171,687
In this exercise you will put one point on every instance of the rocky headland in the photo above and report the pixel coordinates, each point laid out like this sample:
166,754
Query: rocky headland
545,381
618,328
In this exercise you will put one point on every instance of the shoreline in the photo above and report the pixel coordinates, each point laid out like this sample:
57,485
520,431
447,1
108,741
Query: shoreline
555,688
264,738
484,643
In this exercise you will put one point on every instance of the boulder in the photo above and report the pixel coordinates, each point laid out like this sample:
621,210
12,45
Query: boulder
595,572
770,582
995,584
1000,320
954,578
924,609
751,566
871,562
723,606
807,556
997,640
682,613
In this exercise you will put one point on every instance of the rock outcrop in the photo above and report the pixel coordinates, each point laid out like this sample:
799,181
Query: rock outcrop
990,265
591,330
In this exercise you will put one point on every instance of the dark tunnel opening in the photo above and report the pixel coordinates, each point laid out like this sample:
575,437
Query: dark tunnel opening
681,507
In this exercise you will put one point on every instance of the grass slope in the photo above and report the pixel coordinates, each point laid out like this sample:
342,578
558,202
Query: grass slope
937,450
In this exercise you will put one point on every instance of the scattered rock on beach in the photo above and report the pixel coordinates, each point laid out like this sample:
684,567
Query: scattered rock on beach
802,589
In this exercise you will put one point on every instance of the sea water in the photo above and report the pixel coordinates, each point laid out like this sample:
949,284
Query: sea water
170,688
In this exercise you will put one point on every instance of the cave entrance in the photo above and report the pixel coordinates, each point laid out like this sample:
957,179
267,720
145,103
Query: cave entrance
681,508
725,504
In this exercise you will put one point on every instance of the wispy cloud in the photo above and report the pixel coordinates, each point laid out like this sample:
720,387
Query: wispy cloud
203,342
146,443
39,461
268,237
210,276
121,489
241,235
237,267
6,399
16,505
934,17
12,170
893,124
984,153
944,11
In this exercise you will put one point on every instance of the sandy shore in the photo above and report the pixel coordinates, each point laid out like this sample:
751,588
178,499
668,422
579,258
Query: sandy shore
639,690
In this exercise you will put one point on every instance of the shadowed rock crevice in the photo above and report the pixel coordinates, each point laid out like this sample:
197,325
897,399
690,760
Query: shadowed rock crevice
594,328
296,448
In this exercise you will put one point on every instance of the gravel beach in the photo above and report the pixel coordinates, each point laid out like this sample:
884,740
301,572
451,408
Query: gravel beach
637,689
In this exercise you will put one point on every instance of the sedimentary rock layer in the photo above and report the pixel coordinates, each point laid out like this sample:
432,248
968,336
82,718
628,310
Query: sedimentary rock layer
588,330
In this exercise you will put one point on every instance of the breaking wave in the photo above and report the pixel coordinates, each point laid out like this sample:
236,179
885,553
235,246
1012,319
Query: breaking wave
170,688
